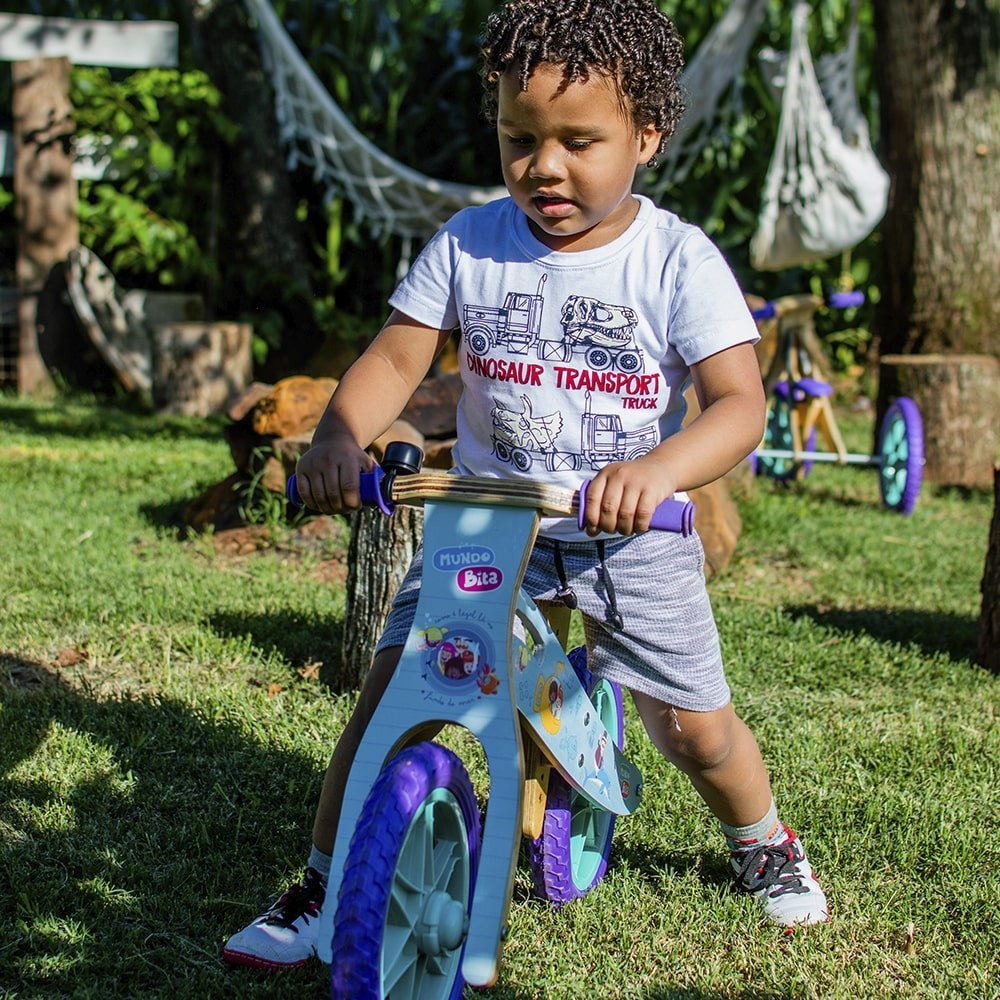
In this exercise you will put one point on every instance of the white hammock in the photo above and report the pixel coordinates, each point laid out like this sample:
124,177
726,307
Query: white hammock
825,190
393,198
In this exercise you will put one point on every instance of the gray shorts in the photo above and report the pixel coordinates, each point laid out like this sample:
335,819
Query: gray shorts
667,646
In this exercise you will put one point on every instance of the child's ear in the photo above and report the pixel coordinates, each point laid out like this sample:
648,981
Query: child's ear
649,143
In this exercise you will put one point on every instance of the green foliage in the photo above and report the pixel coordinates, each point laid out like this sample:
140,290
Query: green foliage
406,73
160,133
153,793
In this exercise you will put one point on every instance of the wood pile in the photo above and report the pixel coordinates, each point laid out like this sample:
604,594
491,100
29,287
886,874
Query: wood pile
271,425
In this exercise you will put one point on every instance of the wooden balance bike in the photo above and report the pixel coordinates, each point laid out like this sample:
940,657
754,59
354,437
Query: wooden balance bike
418,898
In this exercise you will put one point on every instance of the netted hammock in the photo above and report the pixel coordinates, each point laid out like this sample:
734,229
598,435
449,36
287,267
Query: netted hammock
391,198
825,189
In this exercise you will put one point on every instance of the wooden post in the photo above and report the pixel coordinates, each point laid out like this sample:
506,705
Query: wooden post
46,195
959,400
41,50
989,621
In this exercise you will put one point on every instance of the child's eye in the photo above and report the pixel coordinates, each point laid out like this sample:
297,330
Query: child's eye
520,141
575,145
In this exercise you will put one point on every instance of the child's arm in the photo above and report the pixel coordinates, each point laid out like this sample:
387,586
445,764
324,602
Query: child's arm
623,495
369,397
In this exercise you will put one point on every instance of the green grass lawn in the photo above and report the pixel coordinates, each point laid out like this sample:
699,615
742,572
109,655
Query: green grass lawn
164,728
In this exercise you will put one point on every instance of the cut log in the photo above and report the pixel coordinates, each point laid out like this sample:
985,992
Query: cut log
199,368
989,621
959,400
380,553
293,406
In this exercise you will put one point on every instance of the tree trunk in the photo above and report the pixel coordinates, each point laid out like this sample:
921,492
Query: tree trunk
46,196
379,555
266,248
989,622
959,400
938,72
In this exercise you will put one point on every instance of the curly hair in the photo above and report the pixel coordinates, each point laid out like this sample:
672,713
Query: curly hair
631,41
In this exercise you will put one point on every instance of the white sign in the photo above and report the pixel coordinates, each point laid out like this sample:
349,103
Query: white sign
119,44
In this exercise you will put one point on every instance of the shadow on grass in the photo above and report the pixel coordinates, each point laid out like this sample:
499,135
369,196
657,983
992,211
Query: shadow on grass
141,835
932,632
300,640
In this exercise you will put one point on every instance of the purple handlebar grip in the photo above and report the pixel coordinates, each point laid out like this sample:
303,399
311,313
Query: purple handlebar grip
766,311
371,494
371,490
671,515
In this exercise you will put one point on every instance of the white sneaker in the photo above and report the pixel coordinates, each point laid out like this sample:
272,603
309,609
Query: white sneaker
781,878
283,936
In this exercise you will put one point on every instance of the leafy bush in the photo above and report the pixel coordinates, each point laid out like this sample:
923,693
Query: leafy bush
157,134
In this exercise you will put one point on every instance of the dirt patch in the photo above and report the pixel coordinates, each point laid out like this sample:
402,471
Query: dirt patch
320,542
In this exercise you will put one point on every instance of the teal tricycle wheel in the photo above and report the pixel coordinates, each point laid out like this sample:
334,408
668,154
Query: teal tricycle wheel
901,456
571,856
402,912
778,437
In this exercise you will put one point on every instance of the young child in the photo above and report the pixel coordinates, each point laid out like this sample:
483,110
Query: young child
633,304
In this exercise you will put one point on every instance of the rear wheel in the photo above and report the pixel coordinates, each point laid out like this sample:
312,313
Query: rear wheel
402,913
571,855
901,456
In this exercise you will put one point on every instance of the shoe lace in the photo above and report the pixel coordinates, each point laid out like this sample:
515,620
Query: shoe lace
771,866
300,902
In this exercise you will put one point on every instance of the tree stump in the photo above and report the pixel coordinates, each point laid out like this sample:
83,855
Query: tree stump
198,368
380,553
959,400
989,621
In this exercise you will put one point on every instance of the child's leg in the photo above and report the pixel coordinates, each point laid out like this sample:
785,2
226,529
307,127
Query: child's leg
717,752
335,781
284,935
721,757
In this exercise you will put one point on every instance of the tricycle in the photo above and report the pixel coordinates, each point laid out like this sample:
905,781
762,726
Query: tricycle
801,427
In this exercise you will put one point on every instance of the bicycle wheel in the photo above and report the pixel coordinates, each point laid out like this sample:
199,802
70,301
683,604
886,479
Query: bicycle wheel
778,435
901,456
402,912
571,855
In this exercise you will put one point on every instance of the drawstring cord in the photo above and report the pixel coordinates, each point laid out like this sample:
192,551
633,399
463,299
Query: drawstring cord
614,617
565,592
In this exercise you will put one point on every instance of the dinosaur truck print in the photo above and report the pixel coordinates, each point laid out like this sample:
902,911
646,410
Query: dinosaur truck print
604,334
520,439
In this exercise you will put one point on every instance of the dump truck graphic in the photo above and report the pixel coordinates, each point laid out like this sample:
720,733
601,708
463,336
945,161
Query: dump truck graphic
520,439
604,334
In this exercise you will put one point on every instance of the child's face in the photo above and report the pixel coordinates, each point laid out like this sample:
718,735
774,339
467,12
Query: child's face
569,155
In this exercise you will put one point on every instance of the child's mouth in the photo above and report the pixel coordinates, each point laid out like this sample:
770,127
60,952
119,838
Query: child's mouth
552,206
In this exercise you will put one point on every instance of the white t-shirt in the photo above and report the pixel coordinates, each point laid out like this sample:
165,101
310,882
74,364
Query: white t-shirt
570,361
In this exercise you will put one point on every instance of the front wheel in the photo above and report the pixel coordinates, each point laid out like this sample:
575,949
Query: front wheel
778,436
901,456
571,855
402,912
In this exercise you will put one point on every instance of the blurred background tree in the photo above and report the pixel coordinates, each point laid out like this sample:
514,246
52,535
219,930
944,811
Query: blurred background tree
200,197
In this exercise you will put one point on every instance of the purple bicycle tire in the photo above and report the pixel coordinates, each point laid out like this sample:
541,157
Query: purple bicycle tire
786,470
553,873
403,786
901,426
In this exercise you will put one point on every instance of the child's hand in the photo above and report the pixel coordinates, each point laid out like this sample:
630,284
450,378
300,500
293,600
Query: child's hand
623,496
328,474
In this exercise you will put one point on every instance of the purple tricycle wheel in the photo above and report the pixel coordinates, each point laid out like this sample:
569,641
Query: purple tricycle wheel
402,913
901,456
571,855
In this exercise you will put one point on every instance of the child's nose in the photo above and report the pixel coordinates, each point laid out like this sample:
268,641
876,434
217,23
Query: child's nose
547,161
